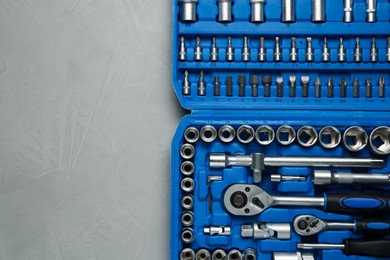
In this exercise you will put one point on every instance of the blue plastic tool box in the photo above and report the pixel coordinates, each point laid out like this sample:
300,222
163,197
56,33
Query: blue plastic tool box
227,98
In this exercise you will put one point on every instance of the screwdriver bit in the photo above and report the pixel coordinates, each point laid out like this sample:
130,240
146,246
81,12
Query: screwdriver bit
343,88
277,53
348,11
374,51
279,87
182,51
214,51
262,56
217,86
368,88
255,85
357,57
230,51
388,50
229,86
341,54
267,81
318,86
293,50
186,85
325,52
245,51
198,51
309,50
293,86
241,85
305,86
330,88
381,85
201,85
356,88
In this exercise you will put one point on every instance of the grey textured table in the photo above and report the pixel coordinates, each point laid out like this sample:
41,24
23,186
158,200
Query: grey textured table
87,114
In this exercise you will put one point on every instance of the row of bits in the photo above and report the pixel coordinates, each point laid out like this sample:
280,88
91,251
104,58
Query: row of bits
298,51
345,88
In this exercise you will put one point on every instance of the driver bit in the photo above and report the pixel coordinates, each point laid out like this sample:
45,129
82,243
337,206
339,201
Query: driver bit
201,85
318,86
293,86
230,51
186,85
255,85
305,86
388,50
241,85
279,86
348,11
182,51
374,51
245,51
261,56
343,88
309,50
357,57
341,54
325,52
356,88
217,86
267,81
214,51
293,50
330,88
229,86
368,88
371,11
198,51
381,85
277,53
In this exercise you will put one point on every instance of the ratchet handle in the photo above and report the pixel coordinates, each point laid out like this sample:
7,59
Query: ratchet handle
376,248
373,227
357,203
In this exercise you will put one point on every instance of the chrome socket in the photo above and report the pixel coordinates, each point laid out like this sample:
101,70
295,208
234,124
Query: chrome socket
188,10
187,254
292,256
187,235
225,11
187,202
265,135
318,11
329,137
226,133
285,135
187,168
187,151
208,133
348,11
257,11
187,218
249,254
355,139
380,140
219,254
203,254
234,254
307,136
371,11
191,134
245,134
288,11
187,185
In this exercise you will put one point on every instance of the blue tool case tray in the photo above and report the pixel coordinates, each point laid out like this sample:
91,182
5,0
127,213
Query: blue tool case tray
286,151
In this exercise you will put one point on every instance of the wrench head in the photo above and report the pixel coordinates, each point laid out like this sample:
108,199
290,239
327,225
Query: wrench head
308,225
246,200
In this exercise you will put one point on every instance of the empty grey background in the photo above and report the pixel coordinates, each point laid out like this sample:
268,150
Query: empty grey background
87,114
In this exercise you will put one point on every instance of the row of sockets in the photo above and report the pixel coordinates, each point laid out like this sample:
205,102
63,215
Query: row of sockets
277,52
267,83
354,138
188,11
218,254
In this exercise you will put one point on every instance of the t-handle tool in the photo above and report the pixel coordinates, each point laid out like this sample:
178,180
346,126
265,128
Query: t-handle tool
258,161
250,200
307,225
376,248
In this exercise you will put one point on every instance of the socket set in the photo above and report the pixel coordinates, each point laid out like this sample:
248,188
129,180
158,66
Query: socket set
286,152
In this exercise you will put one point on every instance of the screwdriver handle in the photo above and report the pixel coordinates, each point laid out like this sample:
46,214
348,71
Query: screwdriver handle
357,203
376,248
373,227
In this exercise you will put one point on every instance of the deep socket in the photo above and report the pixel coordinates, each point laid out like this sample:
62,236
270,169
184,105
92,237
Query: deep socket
257,11
318,11
225,11
371,11
188,10
348,11
288,11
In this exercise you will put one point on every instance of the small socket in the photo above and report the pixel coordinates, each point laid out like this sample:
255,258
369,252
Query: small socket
245,134
208,133
329,137
234,254
355,138
187,254
285,135
187,151
265,135
249,254
187,168
191,134
187,235
307,136
203,254
187,185
219,254
187,202
187,218
226,133
380,140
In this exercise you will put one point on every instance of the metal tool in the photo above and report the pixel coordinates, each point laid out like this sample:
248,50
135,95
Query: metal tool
329,137
182,50
188,10
388,50
309,50
191,134
201,85
187,202
265,135
381,86
318,89
249,254
203,254
380,140
255,85
187,151
187,218
211,179
230,51
343,88
330,88
234,254
267,231
376,248
226,133
187,185
355,138
251,200
293,86
293,50
368,88
219,254
187,254
217,86
229,86
307,136
285,135
278,51
374,51
283,178
292,256
187,235
225,11
318,11
326,177
245,134
258,161
208,133
288,11
348,11
341,54
267,81
325,52
257,11
246,57
198,51
357,56
217,231
262,53
186,87
241,85
356,88
279,86
214,51
371,11
305,86
187,168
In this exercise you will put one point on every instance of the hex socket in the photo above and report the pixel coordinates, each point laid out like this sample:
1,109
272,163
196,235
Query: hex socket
208,133
226,133
245,134
187,151
187,202
307,136
380,140
318,11
187,254
188,10
187,185
355,139
187,218
285,135
187,235
225,11
288,11
191,134
265,135
203,254
187,168
257,11
329,137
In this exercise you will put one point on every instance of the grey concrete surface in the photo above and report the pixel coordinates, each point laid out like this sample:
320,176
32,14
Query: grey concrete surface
87,113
